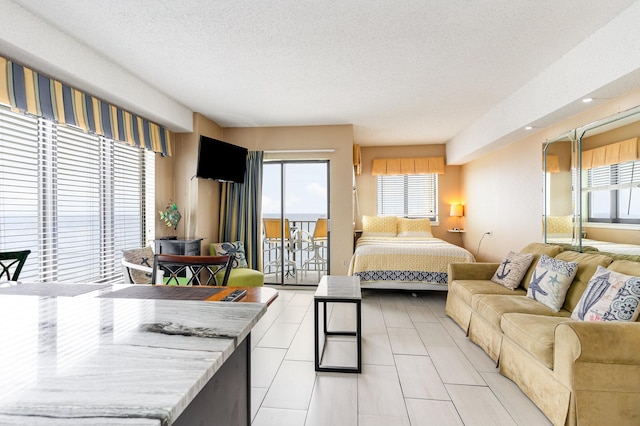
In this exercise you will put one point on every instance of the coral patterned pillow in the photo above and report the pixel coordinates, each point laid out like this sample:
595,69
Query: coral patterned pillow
610,296
551,280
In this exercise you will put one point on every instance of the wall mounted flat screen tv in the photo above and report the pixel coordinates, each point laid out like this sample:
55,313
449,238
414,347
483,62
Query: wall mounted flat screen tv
220,160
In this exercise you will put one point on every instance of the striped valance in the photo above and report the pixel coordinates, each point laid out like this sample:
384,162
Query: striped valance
615,153
407,166
29,91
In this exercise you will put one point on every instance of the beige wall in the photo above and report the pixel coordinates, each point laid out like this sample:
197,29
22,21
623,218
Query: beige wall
448,185
198,199
337,138
503,190
164,191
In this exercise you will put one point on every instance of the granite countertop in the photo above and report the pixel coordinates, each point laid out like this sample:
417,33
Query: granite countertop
90,360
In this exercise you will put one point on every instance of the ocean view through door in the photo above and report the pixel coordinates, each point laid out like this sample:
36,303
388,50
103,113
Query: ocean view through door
295,221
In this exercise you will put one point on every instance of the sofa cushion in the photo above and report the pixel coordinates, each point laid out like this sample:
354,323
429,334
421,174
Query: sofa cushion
243,277
587,265
465,289
534,333
610,296
625,267
512,269
491,307
236,248
537,249
551,280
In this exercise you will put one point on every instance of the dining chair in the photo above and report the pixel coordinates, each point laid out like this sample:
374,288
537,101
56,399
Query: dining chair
11,263
191,270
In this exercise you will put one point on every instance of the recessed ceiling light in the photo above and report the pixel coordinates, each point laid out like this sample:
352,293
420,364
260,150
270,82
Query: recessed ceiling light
587,100
528,128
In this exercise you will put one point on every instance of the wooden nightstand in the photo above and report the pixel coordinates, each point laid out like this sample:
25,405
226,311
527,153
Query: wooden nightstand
357,233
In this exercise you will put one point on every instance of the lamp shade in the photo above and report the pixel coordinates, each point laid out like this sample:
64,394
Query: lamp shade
456,210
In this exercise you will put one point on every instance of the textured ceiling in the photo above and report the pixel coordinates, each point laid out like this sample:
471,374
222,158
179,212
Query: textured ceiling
402,72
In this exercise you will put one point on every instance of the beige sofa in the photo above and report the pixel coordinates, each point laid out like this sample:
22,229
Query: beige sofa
576,372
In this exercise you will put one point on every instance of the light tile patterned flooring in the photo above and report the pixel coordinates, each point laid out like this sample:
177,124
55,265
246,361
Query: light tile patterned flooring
418,368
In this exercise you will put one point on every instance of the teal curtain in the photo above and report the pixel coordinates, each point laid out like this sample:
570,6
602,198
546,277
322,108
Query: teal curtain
240,209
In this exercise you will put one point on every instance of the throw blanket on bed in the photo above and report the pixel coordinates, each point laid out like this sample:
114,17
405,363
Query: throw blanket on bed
405,259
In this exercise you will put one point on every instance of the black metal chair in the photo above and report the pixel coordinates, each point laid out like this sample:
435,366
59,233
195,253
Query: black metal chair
191,270
12,260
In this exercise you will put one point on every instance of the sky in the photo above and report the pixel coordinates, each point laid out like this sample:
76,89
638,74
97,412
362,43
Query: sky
305,188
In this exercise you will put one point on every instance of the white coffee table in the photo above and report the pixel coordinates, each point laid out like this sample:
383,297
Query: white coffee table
337,289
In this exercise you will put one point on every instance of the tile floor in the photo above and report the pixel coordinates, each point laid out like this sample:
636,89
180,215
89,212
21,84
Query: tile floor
418,368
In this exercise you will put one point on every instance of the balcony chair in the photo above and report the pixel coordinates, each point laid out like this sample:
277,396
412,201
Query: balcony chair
316,244
273,238
191,270
11,263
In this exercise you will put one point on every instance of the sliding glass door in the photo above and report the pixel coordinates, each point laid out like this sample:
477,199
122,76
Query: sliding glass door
295,219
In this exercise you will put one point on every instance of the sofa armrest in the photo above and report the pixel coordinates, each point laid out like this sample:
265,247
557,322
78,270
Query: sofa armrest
600,341
604,349
471,271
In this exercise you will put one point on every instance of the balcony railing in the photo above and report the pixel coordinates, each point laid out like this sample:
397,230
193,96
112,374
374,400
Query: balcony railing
300,254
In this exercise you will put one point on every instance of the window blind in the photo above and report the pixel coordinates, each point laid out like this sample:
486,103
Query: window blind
19,177
76,200
614,192
408,195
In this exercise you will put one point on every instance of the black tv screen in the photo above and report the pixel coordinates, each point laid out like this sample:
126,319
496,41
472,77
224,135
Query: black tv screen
220,160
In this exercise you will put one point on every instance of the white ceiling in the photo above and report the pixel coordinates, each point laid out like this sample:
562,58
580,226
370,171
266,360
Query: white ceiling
402,72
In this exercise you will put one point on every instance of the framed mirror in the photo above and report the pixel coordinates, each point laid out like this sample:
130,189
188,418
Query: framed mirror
591,186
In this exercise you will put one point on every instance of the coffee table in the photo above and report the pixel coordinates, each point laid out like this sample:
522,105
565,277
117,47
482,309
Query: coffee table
337,289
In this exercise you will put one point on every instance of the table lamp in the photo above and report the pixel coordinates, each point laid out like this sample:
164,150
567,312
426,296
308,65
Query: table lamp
457,210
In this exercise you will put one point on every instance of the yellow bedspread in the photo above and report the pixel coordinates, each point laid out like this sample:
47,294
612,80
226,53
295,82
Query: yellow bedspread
422,260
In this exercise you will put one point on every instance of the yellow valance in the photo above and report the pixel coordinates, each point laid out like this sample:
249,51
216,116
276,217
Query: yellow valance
28,91
615,153
553,163
357,160
407,166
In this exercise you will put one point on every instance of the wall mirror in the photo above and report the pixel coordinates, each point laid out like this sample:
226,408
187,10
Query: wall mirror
592,186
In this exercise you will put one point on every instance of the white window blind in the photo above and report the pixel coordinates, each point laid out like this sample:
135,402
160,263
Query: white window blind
75,200
19,214
614,193
408,195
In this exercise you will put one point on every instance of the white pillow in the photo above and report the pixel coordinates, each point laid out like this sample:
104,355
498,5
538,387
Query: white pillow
512,269
551,280
610,296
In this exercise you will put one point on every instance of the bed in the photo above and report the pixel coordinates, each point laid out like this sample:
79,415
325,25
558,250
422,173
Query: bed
560,230
403,254
604,246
